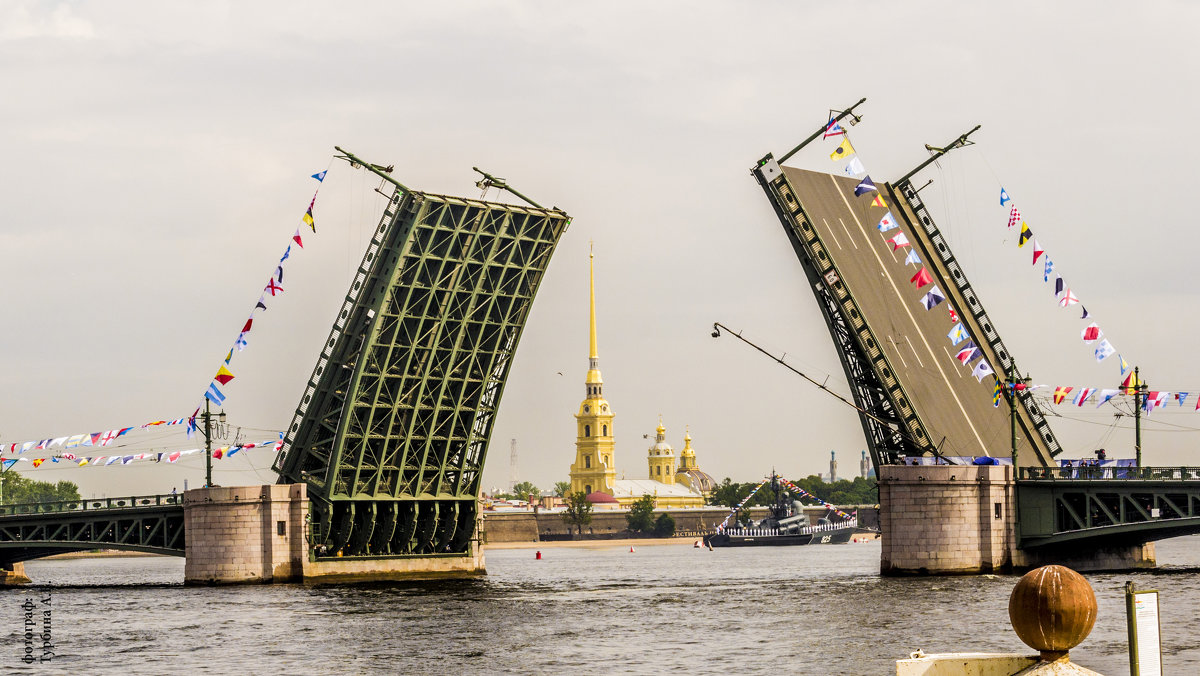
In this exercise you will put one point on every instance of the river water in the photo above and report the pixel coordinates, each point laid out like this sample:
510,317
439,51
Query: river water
670,608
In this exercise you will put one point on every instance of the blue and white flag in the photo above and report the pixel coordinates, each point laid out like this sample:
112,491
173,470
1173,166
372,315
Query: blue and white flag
1104,350
854,168
982,369
957,334
1049,269
1105,395
932,298
912,258
1004,198
214,394
321,177
865,186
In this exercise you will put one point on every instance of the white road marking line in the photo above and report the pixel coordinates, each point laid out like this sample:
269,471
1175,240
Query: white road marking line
835,239
897,348
904,304
848,235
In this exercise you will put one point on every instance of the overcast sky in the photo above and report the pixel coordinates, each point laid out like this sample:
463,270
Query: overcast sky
157,159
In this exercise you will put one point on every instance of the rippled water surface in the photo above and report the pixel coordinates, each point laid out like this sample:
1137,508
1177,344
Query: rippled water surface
812,610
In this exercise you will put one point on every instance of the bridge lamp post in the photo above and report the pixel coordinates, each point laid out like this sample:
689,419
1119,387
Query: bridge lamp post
1012,385
207,415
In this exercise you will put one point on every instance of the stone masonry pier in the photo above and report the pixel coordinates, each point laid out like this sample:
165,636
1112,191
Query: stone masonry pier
259,534
961,520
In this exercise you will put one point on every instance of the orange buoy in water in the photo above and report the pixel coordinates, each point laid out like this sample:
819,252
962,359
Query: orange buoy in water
539,555
696,544
631,550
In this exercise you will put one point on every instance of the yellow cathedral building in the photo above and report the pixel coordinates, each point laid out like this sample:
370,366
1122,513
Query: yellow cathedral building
594,470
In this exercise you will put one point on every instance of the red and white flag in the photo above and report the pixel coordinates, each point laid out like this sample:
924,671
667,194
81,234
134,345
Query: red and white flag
1014,216
1083,395
1068,299
1091,334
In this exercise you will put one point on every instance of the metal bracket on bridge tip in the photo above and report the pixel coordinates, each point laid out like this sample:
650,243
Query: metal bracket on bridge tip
768,168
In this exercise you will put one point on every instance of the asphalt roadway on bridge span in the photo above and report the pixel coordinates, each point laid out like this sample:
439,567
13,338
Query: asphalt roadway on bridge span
956,409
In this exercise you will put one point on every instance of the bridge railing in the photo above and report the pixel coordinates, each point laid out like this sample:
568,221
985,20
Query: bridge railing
1110,472
92,504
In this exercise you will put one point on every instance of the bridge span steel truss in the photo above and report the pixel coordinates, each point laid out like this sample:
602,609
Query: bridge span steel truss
1066,506
147,524
892,425
971,310
393,426
893,428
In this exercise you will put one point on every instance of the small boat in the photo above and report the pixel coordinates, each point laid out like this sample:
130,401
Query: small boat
786,524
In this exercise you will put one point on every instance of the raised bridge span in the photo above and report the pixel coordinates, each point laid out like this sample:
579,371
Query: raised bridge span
918,403
380,470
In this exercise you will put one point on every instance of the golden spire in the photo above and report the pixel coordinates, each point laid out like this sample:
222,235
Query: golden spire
592,274
595,383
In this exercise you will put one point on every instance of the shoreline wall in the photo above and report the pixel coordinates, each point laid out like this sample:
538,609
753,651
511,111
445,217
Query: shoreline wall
514,526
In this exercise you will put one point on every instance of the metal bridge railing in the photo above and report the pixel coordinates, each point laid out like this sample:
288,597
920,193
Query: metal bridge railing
1114,473
89,505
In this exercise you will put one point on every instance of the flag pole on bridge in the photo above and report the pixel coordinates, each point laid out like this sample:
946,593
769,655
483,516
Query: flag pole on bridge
810,139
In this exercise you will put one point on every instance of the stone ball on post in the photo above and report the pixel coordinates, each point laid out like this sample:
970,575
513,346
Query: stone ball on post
1052,609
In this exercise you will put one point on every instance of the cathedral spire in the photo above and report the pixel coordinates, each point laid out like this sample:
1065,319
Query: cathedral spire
595,383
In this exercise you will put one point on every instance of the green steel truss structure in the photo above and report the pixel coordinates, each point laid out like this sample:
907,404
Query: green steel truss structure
392,430
1081,506
1030,417
152,523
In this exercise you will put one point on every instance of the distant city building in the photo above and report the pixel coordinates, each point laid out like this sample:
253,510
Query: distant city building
594,470
864,466
832,466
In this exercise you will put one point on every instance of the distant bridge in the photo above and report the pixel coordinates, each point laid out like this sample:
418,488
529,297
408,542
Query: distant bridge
148,523
1105,505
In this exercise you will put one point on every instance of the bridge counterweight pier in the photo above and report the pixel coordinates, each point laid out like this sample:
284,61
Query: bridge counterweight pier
260,535
961,520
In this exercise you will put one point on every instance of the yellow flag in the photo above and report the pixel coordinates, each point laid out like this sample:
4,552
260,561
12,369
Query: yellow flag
878,202
844,150
1026,233
223,375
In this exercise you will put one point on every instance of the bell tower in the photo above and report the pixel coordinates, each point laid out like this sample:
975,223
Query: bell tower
594,469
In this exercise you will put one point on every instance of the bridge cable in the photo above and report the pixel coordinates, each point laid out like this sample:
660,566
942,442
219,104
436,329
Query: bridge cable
899,429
